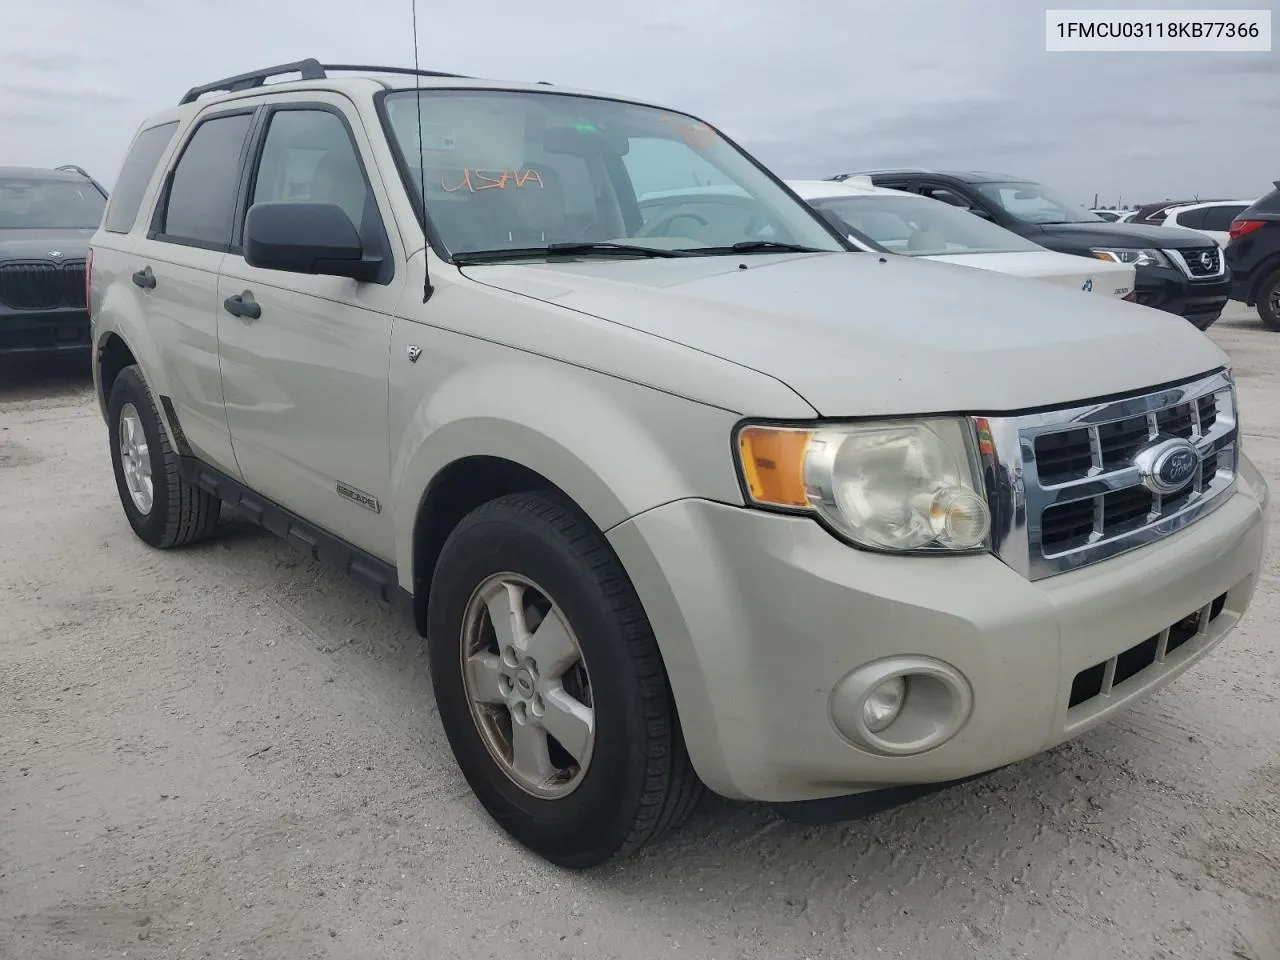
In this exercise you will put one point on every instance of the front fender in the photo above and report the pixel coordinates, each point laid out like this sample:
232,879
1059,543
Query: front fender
614,447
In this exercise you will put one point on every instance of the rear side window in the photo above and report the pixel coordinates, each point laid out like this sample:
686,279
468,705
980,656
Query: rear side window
202,192
131,184
1219,218
1193,219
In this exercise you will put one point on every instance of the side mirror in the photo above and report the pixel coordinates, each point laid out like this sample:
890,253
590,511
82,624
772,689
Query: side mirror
979,212
305,237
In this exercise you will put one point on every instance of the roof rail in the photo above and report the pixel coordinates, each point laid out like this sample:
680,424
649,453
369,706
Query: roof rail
408,71
72,168
309,69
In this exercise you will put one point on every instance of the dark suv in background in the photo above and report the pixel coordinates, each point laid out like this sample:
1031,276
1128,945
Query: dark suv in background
1253,254
1179,271
46,220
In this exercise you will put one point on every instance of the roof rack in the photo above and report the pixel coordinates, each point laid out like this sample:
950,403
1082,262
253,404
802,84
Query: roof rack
309,69
72,168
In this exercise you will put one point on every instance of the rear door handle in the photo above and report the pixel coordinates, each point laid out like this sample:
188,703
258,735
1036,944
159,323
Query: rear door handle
243,305
144,278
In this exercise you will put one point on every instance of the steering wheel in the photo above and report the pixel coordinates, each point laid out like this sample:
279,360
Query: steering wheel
651,229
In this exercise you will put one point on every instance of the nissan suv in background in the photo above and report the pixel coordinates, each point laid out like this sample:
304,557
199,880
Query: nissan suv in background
727,504
46,220
1253,254
1178,271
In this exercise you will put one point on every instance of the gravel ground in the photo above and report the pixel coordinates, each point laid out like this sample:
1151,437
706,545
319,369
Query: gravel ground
228,751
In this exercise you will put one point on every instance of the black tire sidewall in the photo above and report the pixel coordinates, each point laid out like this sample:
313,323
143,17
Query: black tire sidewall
1270,319
596,819
130,388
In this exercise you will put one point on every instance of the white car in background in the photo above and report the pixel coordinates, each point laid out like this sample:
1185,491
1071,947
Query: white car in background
916,226
1211,217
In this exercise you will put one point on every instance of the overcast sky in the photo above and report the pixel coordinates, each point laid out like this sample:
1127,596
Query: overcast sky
813,87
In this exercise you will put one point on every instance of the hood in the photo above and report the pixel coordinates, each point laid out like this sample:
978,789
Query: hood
1078,273
1081,236
39,244
864,335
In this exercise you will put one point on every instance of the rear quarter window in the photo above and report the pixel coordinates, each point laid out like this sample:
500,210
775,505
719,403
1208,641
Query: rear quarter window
139,166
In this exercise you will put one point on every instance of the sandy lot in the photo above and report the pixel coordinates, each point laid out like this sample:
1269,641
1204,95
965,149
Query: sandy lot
230,752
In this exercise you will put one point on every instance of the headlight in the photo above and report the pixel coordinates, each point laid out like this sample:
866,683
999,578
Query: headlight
893,485
1133,256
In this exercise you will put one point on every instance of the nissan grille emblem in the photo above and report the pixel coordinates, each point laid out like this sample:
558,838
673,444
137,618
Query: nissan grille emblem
55,253
1168,466
1206,260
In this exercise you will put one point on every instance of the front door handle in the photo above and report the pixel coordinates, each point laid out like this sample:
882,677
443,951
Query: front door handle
144,278
243,305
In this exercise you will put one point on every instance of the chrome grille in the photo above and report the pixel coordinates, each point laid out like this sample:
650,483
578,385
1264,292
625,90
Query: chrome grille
1064,488
1202,263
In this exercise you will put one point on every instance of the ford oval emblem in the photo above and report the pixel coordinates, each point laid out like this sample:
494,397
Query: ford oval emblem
1168,466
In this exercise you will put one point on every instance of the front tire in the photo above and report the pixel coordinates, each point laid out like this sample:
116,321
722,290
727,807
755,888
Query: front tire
163,508
550,685
1269,302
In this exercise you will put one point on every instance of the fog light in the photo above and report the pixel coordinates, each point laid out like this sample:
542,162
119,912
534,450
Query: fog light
901,706
883,704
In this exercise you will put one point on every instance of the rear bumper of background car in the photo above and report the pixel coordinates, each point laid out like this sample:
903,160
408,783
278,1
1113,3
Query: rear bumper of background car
62,331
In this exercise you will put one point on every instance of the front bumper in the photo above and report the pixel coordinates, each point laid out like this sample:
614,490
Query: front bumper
1199,301
59,331
760,616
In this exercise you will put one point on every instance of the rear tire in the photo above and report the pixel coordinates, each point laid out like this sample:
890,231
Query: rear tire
1269,301
163,508
541,563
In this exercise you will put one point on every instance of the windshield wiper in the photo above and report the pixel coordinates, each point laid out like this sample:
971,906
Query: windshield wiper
566,250
755,246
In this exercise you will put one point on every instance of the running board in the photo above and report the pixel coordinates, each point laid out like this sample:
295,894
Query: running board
377,576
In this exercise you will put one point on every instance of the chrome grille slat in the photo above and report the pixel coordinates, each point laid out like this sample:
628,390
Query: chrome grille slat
1092,503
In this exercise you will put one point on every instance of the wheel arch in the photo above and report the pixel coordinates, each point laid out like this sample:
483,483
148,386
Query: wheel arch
113,354
1265,269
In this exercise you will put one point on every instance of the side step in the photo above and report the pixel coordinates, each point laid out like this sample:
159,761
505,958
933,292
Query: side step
377,576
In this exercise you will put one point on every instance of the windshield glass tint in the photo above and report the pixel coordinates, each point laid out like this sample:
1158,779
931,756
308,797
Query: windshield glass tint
49,205
920,227
1035,203
511,170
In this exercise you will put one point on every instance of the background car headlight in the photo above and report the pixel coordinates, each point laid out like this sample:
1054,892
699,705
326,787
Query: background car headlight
894,485
1133,256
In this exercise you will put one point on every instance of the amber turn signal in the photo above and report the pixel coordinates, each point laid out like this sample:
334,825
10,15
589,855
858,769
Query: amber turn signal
773,464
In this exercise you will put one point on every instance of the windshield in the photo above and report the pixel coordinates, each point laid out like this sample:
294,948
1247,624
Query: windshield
49,205
519,171
1035,203
921,227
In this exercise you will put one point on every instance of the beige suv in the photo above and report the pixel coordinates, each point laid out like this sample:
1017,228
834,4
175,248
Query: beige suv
681,493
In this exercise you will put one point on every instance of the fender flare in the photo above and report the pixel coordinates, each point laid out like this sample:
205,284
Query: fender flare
606,457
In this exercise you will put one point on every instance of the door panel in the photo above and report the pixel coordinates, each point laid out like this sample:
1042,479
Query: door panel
306,397
305,382
182,317
178,263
